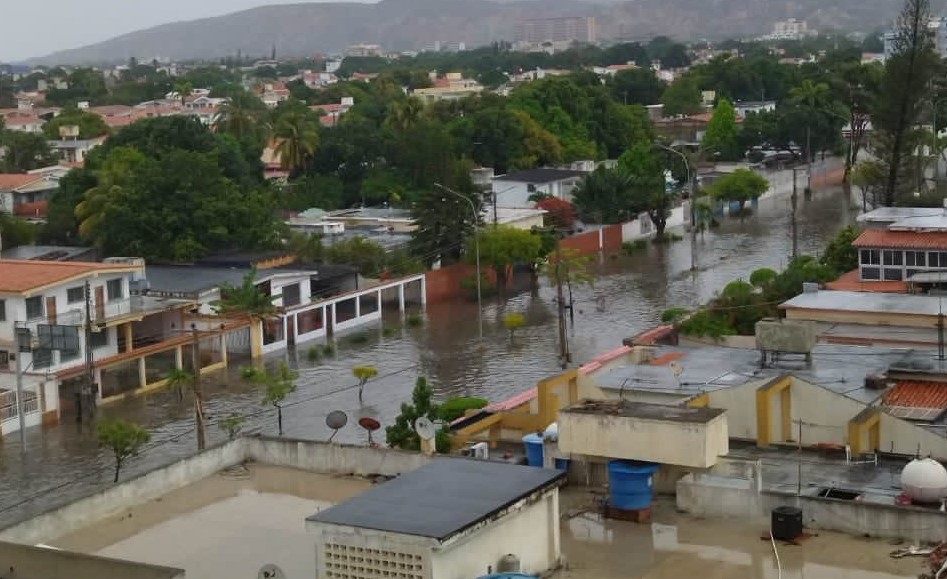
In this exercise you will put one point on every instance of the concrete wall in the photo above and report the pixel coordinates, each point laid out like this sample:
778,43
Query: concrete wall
904,437
329,458
37,562
674,442
530,531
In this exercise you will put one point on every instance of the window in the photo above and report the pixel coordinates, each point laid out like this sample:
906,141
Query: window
937,259
871,273
100,339
75,295
34,307
892,257
3,310
291,295
892,274
870,257
42,358
114,289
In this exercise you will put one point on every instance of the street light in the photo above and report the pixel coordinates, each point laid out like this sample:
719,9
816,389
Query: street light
691,177
476,222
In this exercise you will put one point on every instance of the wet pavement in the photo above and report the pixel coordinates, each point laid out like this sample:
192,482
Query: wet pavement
64,461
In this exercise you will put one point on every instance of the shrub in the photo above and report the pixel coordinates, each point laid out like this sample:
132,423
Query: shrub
358,339
762,277
328,350
630,247
673,315
706,323
415,321
313,354
454,408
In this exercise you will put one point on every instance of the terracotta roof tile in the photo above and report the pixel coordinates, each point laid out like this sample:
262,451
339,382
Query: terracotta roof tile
902,239
850,282
912,394
10,181
17,276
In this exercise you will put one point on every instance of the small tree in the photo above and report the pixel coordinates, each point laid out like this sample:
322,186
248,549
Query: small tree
232,425
177,379
513,321
503,247
762,277
401,434
560,214
245,298
723,136
840,255
741,186
123,438
363,374
276,387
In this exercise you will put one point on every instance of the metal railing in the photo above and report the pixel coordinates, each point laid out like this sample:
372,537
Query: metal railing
8,409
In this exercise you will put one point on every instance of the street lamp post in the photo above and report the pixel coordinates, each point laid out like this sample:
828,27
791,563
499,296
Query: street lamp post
476,222
691,178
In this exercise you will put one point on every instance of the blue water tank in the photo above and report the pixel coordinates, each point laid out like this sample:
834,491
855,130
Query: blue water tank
534,449
631,484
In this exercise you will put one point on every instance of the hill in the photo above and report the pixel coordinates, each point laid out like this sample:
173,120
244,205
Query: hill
301,29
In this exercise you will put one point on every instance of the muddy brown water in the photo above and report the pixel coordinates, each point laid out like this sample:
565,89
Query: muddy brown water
64,461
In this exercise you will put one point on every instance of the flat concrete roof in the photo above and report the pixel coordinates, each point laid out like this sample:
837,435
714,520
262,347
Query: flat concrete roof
645,411
894,214
441,498
868,302
31,562
196,279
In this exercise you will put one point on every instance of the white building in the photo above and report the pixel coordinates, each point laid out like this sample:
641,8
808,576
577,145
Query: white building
791,29
937,27
514,189
451,519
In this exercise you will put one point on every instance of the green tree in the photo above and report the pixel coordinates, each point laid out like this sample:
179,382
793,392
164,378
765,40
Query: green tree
503,247
840,255
741,186
404,113
869,176
90,125
244,117
277,386
363,374
184,89
178,379
603,196
245,298
723,136
402,435
24,152
123,438
297,136
365,255
681,97
232,425
908,72
445,223
646,182
639,86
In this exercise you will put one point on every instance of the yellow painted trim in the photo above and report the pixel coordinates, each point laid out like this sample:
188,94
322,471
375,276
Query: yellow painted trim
764,431
785,407
701,401
857,431
157,385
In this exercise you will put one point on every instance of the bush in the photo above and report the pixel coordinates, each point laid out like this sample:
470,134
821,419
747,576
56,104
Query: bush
313,354
631,247
668,237
454,408
762,277
706,323
328,350
415,321
389,331
358,339
673,315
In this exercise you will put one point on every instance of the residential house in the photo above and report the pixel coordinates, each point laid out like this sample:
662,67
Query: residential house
74,151
27,194
906,244
317,80
452,86
331,113
514,189
23,122
742,108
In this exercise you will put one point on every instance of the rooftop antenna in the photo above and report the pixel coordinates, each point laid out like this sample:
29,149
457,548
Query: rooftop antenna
336,420
370,425
426,432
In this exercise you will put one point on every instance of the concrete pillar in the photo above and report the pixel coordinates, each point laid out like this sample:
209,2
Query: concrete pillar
378,305
256,338
179,358
424,290
401,297
358,306
223,348
142,373
334,319
129,338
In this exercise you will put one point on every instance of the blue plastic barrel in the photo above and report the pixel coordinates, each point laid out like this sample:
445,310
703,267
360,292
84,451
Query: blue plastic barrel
534,449
631,484
562,464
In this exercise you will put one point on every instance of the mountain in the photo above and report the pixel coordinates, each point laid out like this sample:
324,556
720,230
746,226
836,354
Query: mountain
301,29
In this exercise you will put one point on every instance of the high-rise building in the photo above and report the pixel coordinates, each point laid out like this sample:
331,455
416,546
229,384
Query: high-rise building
567,29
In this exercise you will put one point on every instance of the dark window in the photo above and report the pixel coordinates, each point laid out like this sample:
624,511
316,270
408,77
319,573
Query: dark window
893,257
42,358
920,255
75,295
100,339
932,260
3,310
870,257
114,289
291,295
34,307
871,273
892,274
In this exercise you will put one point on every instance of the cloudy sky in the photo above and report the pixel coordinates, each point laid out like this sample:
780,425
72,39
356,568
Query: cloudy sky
37,27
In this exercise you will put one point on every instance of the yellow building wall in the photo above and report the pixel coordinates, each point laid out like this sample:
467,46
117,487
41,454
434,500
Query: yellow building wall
904,437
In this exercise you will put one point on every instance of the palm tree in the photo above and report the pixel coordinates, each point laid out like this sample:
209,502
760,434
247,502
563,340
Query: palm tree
297,136
404,114
242,116
115,177
184,89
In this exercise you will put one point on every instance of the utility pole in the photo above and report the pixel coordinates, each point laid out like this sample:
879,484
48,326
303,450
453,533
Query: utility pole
792,216
940,334
198,394
808,160
560,299
19,386
799,461
88,388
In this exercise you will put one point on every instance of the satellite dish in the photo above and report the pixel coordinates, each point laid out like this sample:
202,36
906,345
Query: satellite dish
371,425
270,571
336,420
425,428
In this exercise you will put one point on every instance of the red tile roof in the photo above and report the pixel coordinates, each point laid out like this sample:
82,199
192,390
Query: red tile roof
917,395
18,276
10,181
902,239
850,282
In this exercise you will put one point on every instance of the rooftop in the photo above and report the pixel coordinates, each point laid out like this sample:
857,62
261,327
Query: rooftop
645,411
841,369
371,213
851,281
191,279
854,301
11,181
17,276
540,175
885,238
46,252
27,561
894,214
427,501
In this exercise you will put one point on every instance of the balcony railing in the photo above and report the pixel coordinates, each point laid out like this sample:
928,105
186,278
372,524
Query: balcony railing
101,313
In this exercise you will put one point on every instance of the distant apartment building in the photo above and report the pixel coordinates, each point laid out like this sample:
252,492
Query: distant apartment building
937,27
363,50
451,86
791,29
555,30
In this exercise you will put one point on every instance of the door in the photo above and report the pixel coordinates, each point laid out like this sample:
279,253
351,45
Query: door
291,330
100,303
51,310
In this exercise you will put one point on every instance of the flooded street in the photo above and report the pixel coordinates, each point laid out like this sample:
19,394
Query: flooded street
629,295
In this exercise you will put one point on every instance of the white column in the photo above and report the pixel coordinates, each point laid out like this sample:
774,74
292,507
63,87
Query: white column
358,306
401,297
423,290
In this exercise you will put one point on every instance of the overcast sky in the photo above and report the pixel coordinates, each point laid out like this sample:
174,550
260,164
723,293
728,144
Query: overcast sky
30,28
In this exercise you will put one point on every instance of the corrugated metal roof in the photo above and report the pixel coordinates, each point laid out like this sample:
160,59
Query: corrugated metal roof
883,238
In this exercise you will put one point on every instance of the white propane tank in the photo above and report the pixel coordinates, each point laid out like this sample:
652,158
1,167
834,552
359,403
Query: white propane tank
924,480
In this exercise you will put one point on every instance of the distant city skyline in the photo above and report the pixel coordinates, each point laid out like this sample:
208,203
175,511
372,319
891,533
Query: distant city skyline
33,29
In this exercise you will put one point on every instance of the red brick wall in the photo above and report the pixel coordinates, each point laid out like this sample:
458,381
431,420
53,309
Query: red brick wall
588,242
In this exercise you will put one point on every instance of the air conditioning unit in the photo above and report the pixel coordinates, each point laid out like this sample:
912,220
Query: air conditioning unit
480,450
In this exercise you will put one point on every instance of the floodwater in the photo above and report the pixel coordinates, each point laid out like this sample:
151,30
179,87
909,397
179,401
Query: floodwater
64,461
263,508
